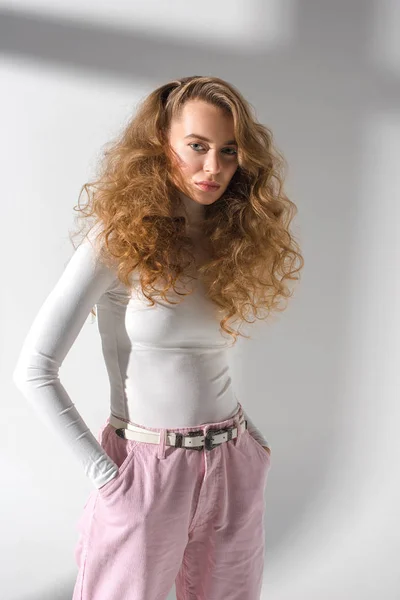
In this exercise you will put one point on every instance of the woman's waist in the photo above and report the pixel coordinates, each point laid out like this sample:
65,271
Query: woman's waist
170,408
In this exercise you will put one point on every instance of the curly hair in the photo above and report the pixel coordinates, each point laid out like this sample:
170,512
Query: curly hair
252,252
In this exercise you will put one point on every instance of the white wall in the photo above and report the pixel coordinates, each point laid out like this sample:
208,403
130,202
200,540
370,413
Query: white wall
322,381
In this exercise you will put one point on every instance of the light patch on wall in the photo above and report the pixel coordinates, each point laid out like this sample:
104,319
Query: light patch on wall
228,23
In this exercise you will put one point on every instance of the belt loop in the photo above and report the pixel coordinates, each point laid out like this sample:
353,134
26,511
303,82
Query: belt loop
205,451
162,444
239,431
238,418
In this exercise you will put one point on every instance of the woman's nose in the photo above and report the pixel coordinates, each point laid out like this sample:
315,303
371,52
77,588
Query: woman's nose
212,164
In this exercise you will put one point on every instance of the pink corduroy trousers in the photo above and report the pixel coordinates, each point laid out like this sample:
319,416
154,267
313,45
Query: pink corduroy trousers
175,515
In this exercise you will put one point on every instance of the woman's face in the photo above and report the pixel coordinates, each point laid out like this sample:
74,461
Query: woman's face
197,159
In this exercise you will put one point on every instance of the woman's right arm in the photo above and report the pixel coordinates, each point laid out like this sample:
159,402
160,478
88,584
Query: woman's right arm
52,333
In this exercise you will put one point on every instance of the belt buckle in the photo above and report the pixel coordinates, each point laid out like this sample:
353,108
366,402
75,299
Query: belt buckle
208,444
179,438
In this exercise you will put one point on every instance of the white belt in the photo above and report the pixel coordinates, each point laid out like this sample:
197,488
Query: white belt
192,440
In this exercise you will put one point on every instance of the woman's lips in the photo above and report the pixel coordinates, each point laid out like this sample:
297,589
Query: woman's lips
207,187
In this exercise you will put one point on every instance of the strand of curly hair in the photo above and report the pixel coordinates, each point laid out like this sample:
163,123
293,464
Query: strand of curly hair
253,254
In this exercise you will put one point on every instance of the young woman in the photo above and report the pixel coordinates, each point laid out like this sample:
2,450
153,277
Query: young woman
190,230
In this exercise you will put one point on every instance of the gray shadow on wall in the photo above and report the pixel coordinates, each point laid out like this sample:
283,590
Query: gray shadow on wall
316,92
62,591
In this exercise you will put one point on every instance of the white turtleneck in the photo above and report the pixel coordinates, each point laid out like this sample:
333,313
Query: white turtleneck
145,349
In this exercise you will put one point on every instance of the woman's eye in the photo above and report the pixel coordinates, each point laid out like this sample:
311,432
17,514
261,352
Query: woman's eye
194,144
233,149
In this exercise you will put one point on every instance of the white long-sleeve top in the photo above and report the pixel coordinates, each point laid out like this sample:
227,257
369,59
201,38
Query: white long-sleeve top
167,364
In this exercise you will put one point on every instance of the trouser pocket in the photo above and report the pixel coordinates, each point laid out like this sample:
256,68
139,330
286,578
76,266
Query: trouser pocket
121,451
264,455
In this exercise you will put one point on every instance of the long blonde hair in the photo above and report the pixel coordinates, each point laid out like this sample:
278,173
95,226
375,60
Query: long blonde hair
253,255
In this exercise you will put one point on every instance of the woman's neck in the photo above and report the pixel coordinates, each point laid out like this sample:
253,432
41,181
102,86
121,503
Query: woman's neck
192,210
194,216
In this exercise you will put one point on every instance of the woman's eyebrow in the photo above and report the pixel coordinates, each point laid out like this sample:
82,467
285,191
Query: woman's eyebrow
202,137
